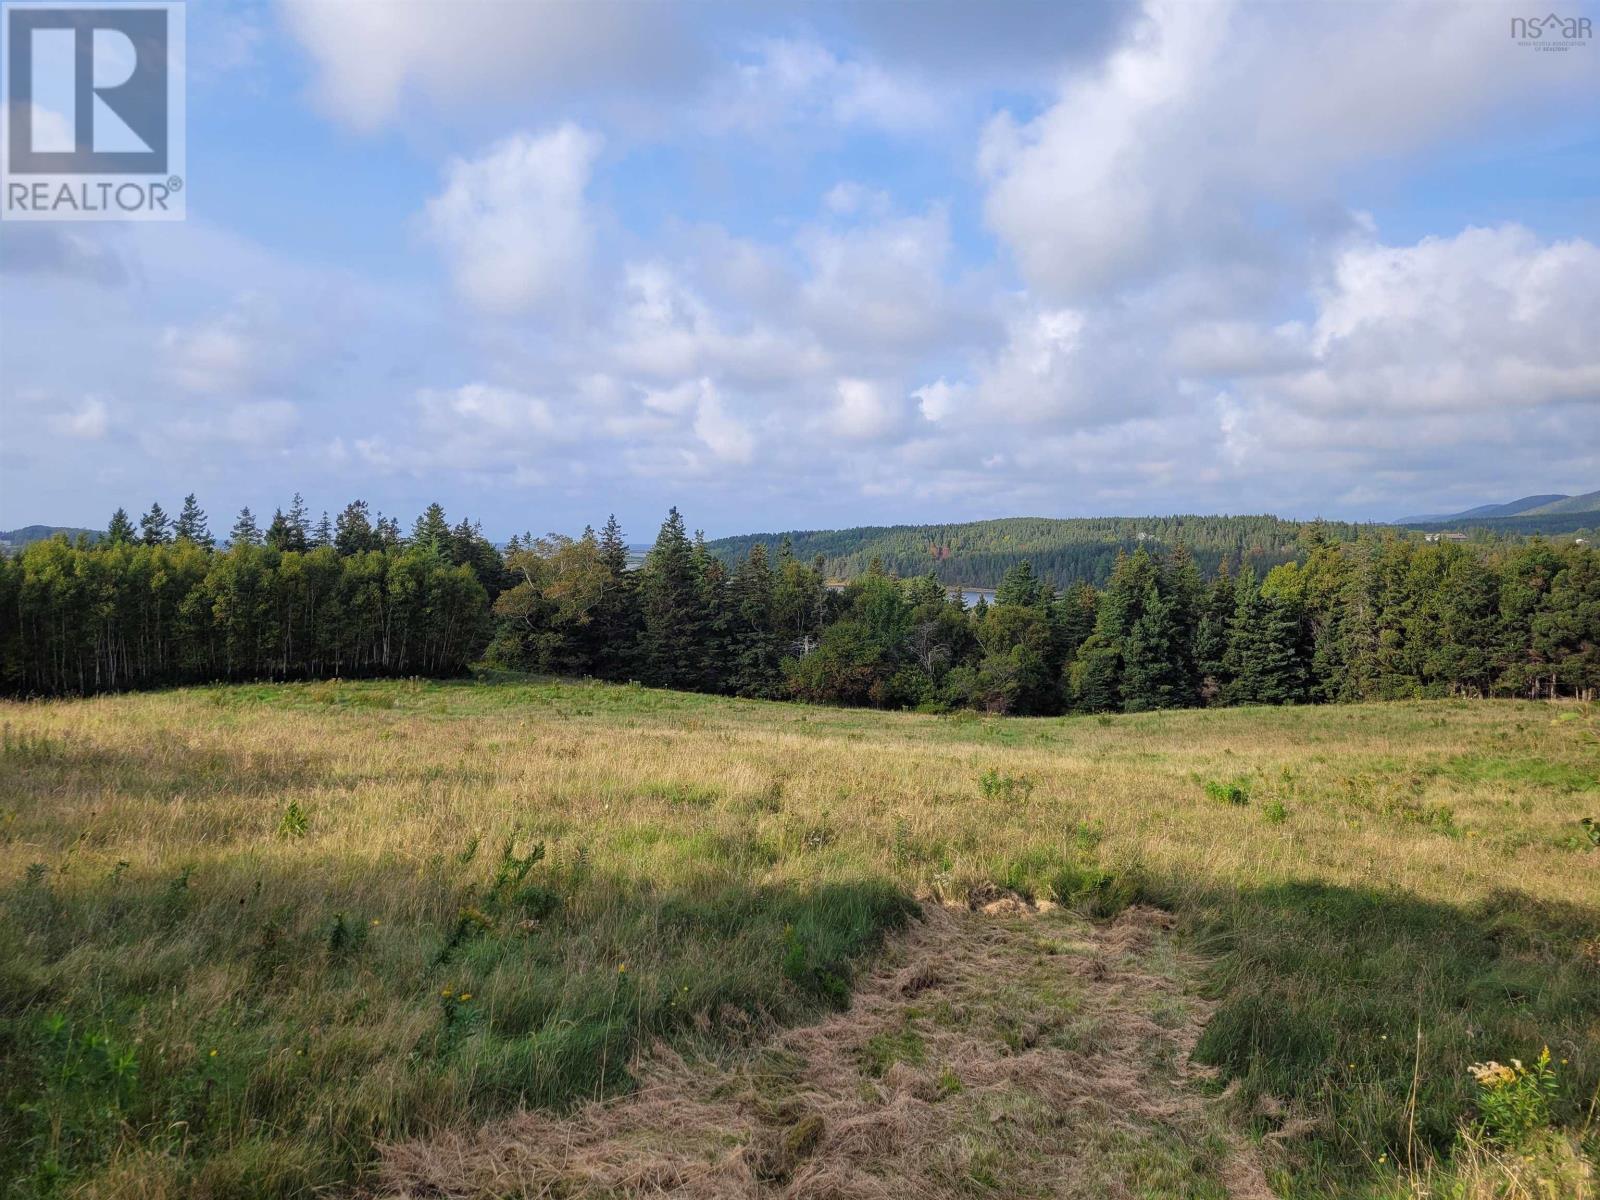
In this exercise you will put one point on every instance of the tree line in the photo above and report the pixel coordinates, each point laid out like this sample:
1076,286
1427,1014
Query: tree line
1347,618
1063,550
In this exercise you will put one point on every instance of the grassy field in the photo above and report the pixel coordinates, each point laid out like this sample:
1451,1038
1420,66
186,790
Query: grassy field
256,939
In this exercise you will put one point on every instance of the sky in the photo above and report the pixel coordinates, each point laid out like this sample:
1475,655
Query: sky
825,264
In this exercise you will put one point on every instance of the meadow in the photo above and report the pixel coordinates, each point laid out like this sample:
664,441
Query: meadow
265,940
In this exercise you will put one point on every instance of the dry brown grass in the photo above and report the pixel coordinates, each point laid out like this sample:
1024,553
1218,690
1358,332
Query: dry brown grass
1041,1057
171,910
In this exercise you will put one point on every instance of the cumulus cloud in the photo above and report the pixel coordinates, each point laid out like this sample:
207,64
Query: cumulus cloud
372,56
784,80
880,284
864,410
1208,106
212,357
722,433
91,421
1491,319
513,222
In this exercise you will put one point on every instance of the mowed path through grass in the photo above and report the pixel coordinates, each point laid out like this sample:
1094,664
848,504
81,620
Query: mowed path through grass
252,932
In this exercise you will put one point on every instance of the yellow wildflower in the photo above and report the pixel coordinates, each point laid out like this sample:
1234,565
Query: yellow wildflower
1495,1075
465,996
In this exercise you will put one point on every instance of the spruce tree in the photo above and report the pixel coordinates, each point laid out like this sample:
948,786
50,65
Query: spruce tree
322,535
298,520
1152,670
613,548
1211,635
753,647
615,617
1072,617
670,600
352,533
120,530
245,531
432,526
154,528
278,530
191,524
1263,649
1019,586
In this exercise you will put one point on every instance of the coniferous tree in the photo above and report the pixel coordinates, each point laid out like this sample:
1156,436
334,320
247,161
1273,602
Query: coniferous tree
298,520
191,524
712,649
120,531
352,533
1074,616
669,600
154,528
1211,636
322,535
1153,675
245,531
613,547
616,617
1263,662
432,526
1019,586
754,655
278,534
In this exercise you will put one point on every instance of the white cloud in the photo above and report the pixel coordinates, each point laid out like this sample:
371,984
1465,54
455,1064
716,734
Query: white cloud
864,410
213,357
1491,318
880,285
797,79
513,222
1209,107
724,434
495,410
91,421
374,55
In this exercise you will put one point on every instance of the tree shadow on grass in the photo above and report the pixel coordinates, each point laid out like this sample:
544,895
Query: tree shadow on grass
1343,1002
245,1030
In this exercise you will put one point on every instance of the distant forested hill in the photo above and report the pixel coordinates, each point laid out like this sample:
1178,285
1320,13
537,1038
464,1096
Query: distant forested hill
17,538
1062,550
1546,524
1589,503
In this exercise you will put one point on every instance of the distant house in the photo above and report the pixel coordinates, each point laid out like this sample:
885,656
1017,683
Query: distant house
1444,537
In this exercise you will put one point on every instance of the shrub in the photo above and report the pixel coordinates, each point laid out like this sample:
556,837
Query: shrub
1237,792
1514,1101
1012,789
294,823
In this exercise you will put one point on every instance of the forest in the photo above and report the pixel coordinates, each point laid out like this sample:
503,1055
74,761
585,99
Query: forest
1342,613
1060,550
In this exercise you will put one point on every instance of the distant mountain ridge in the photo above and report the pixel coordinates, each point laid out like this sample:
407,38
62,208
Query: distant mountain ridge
38,533
1062,550
1529,506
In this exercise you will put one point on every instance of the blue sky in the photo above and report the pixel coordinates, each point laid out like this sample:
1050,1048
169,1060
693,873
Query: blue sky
807,265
